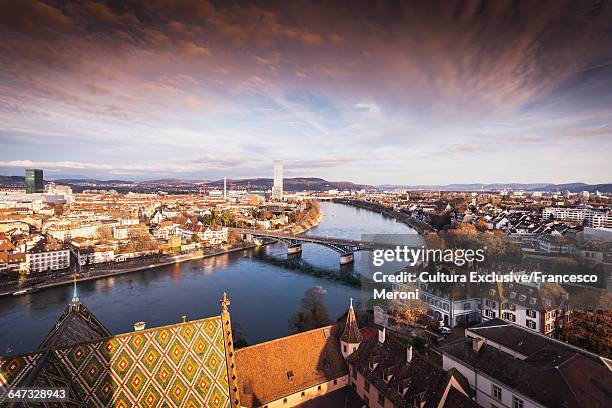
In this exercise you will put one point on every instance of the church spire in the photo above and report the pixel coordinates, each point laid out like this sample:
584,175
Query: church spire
351,333
75,296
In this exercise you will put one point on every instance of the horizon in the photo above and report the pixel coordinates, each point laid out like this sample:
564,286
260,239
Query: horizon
270,178
370,92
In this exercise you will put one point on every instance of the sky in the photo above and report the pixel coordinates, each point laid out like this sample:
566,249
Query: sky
367,91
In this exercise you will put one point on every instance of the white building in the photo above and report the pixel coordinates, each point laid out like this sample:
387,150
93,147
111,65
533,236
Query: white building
579,215
48,260
524,305
508,366
277,188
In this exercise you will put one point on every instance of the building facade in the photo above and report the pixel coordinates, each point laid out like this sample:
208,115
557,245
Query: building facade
34,181
277,188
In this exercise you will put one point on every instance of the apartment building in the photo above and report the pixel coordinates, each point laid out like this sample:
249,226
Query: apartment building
535,308
48,259
509,366
579,215
450,304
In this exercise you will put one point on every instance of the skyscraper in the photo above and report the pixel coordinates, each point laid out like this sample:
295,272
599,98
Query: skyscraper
34,181
277,188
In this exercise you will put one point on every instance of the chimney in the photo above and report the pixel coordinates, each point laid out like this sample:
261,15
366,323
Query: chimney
138,326
409,354
381,335
477,344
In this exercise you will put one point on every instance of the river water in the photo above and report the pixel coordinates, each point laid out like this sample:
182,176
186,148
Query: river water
264,287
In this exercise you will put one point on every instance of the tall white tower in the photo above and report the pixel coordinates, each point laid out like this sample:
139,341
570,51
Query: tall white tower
224,187
277,188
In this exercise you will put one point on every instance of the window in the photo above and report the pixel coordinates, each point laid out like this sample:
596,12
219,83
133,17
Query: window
512,295
489,313
319,388
467,306
335,382
531,313
522,298
532,301
531,324
496,392
492,292
517,402
354,372
344,348
366,386
285,401
381,400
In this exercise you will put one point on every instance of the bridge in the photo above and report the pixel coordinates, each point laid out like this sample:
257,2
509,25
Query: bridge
345,247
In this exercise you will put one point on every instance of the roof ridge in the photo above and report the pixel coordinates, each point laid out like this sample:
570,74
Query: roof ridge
286,337
112,336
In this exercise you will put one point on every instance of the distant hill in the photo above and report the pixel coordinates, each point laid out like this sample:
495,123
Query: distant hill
303,184
292,184
573,187
12,181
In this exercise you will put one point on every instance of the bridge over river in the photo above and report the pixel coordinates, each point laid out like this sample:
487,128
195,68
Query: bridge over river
345,247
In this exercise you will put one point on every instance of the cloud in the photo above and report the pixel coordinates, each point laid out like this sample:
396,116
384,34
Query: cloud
323,86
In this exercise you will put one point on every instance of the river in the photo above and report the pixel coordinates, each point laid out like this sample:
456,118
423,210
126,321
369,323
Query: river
264,287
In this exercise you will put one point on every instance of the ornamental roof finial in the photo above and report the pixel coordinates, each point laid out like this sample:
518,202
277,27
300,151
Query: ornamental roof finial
224,302
75,296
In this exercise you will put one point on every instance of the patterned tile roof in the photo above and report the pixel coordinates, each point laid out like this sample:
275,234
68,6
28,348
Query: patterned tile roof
181,365
277,368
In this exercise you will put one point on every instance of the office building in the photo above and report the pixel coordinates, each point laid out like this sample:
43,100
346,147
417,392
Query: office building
34,181
277,188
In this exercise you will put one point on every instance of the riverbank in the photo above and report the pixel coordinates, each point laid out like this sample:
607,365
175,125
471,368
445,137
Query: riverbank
418,226
66,279
106,273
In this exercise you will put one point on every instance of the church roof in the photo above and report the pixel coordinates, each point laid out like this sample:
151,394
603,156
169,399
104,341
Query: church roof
178,365
76,325
351,333
277,368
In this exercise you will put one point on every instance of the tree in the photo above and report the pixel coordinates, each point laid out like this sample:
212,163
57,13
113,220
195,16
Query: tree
195,238
312,313
481,225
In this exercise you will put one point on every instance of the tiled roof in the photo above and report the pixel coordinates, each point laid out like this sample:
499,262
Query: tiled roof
277,368
351,333
549,376
76,325
181,365
424,382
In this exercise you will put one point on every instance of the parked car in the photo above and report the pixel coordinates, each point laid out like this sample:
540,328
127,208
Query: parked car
444,330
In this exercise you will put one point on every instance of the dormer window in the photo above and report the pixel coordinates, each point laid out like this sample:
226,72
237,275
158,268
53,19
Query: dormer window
522,298
532,301
402,386
387,374
512,295
373,363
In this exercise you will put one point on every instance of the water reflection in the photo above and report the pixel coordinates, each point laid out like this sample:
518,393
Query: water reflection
265,287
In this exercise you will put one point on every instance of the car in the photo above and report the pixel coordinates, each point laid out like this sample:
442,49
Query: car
444,330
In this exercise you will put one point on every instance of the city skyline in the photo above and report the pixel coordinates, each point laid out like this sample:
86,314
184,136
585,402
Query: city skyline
372,93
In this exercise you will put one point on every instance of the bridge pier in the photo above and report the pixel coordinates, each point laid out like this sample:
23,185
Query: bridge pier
294,249
347,258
